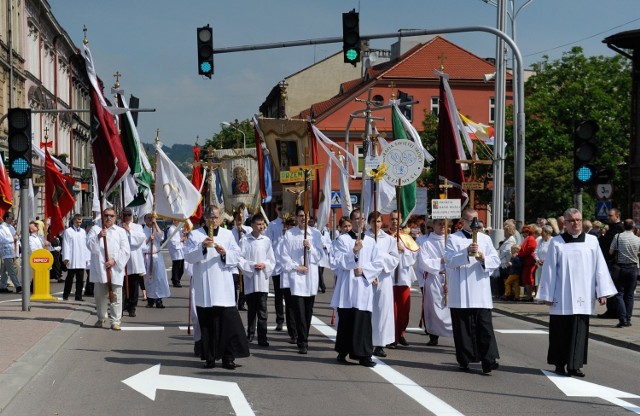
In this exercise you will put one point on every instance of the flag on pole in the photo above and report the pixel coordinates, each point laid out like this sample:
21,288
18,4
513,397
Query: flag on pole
264,163
408,192
196,180
176,197
478,131
109,156
324,208
139,165
6,194
58,199
449,144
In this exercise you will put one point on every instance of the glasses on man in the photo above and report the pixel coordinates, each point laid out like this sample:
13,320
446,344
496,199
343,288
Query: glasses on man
574,220
109,215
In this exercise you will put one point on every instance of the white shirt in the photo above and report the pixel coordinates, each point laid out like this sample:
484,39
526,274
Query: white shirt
293,252
275,231
74,247
175,244
137,240
7,233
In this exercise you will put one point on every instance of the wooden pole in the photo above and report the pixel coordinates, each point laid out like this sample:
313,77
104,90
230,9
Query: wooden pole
153,210
106,252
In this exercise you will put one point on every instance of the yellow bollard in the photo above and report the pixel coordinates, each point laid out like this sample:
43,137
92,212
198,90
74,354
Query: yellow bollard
41,261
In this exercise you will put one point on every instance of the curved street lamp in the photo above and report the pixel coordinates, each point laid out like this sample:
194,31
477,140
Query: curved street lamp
236,126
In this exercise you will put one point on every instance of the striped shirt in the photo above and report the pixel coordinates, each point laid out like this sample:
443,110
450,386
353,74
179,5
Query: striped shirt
628,246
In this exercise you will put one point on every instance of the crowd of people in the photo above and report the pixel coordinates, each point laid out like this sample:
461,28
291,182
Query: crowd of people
564,262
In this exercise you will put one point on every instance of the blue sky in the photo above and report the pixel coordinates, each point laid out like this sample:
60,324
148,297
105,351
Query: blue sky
153,44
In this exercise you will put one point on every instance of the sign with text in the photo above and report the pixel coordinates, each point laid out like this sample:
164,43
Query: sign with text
444,209
404,160
287,176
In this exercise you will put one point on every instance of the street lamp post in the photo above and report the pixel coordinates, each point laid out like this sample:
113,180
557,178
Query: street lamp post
236,126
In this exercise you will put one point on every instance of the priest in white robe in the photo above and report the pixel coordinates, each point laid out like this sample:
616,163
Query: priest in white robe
215,257
469,267
257,264
300,257
136,269
437,316
574,275
356,265
156,281
383,322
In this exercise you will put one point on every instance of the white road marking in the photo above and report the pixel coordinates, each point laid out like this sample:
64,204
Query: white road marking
142,328
403,383
521,331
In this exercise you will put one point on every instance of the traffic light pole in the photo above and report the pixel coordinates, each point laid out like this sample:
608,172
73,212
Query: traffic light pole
499,153
24,241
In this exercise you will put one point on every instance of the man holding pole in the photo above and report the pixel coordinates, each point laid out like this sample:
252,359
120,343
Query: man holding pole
470,259
108,273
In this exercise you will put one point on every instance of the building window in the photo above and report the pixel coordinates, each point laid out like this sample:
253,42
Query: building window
435,106
492,110
406,109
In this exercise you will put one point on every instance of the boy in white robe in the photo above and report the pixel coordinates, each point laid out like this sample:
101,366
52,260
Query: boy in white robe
156,282
383,322
437,316
257,264
136,269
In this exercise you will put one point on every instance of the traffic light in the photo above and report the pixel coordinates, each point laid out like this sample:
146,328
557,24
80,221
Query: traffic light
19,143
351,37
205,51
585,149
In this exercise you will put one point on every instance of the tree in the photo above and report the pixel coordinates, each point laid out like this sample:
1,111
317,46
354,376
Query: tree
230,138
562,93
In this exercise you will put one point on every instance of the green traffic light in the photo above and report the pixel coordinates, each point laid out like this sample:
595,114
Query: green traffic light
205,67
584,174
351,54
20,166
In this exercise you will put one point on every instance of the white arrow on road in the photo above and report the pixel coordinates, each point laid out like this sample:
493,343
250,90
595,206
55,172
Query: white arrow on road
148,381
578,388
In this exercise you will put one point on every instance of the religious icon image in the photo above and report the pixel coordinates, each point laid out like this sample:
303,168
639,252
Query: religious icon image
240,182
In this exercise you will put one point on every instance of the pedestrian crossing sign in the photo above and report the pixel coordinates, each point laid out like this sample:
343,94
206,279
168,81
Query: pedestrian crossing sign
602,209
335,199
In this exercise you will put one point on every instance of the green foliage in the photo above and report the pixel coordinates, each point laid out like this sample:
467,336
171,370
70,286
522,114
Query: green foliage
230,138
562,93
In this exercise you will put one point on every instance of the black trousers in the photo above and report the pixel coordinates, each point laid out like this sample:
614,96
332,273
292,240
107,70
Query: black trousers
568,340
473,335
303,311
131,301
240,298
177,270
78,275
290,316
279,300
257,307
354,335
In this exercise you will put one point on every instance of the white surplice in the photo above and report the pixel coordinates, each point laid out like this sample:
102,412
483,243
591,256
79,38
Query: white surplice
469,280
212,275
302,284
437,316
256,250
137,239
157,286
574,275
118,246
383,320
74,248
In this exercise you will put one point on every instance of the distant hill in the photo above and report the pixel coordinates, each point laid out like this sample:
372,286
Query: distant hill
180,154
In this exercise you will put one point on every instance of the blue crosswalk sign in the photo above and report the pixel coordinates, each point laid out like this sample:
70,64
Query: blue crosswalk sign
335,199
602,209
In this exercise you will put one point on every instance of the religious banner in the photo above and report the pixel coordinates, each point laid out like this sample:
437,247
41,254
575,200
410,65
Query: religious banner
240,178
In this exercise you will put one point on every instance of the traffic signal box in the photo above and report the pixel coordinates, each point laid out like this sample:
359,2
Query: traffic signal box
351,37
205,51
585,151
19,143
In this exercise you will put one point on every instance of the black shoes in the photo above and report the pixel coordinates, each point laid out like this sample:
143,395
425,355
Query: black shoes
210,364
433,340
19,289
560,370
242,308
159,304
150,303
576,373
278,327
342,359
379,352
177,284
623,325
250,337
6,290
292,341
79,299
229,364
132,313
463,367
607,315
263,343
197,348
392,346
302,350
488,366
367,362
403,341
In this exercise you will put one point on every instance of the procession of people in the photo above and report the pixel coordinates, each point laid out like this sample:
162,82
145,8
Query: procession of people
374,265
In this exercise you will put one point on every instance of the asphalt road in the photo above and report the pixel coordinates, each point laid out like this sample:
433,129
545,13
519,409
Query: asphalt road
86,375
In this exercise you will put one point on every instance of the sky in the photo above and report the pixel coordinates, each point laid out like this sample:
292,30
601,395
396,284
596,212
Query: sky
152,43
